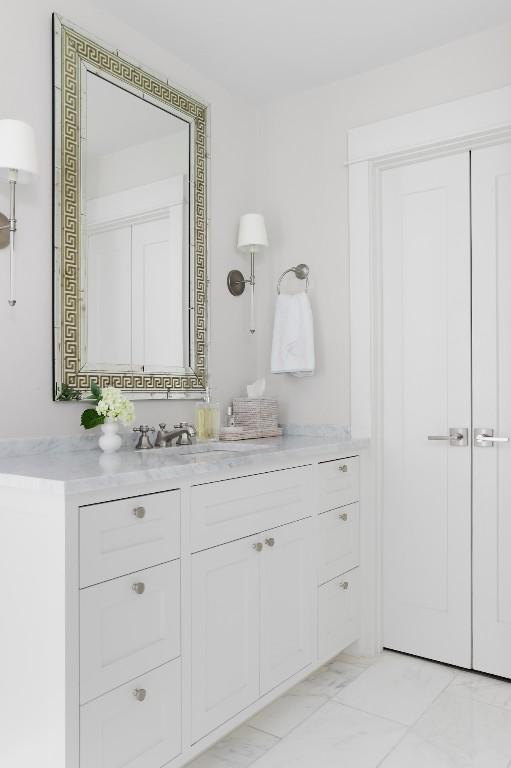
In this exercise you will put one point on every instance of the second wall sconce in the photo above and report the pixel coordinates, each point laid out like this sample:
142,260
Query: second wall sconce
252,238
17,165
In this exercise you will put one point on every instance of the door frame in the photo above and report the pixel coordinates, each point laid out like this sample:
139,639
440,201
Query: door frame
458,126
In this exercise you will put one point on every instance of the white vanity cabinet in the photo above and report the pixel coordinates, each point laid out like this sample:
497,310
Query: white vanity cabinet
166,616
252,620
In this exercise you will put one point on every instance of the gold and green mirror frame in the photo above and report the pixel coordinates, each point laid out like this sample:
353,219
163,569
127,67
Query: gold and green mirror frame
75,55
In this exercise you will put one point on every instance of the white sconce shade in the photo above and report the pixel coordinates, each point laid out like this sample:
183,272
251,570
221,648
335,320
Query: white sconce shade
252,237
252,234
17,150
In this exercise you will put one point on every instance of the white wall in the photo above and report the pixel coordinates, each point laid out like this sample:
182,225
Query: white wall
138,165
303,191
26,331
286,160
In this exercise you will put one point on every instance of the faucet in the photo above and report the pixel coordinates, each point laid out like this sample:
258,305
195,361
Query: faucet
183,433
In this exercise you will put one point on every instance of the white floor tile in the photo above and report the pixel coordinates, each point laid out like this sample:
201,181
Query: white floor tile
208,760
456,732
335,737
397,687
472,685
239,749
359,661
284,714
329,680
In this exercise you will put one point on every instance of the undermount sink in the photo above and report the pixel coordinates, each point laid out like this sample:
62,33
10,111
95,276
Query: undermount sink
200,451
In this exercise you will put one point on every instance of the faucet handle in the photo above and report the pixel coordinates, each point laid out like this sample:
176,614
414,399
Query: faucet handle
186,425
143,443
190,433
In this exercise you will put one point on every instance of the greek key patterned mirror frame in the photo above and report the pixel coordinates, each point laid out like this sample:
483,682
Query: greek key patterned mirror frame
74,56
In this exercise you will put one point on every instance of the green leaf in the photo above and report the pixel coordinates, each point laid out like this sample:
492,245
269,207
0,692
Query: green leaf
69,393
96,391
91,418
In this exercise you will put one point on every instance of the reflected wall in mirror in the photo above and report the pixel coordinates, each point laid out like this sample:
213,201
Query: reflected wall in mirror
130,226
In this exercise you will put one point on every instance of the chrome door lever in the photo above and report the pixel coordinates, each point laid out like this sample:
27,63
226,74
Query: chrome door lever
457,437
483,438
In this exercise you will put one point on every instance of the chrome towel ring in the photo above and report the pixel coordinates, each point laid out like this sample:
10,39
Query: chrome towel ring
301,272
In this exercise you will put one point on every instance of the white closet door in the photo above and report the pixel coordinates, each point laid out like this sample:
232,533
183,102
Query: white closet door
426,380
157,291
491,217
108,299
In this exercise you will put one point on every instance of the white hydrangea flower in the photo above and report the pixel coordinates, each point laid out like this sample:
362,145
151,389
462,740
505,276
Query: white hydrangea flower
113,405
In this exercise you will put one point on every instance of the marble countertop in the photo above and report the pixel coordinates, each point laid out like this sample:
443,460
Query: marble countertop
90,470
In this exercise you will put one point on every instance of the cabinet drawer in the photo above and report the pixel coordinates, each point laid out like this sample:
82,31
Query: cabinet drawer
119,537
230,509
338,483
338,614
338,542
125,632
120,730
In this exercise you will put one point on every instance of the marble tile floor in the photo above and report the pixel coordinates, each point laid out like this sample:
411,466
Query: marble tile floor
393,711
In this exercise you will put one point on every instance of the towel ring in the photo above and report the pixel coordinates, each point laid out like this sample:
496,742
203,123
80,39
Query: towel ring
301,272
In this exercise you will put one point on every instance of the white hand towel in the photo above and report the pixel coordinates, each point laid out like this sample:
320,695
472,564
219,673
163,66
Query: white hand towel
293,336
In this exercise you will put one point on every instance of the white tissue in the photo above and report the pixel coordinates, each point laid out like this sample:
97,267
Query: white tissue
257,388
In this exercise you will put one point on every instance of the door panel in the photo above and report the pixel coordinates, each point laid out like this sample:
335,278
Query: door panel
426,381
287,588
128,626
225,633
491,244
123,730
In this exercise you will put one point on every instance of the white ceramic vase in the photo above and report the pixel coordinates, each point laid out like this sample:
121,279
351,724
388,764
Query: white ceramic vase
110,441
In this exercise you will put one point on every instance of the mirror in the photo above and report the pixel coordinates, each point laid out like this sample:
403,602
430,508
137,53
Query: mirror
130,244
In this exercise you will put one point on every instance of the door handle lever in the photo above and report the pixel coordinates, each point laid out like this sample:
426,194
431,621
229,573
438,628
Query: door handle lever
484,438
457,437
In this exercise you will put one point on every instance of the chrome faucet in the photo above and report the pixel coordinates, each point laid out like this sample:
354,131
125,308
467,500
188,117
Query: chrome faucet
183,434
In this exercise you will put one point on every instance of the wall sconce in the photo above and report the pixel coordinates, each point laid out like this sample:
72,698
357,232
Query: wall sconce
17,164
252,238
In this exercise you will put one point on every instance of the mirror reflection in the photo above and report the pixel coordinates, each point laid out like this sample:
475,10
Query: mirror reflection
134,282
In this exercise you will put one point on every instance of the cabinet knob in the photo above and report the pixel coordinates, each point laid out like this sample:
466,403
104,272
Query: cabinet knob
139,512
138,587
270,541
342,467
140,694
258,546
344,584
343,516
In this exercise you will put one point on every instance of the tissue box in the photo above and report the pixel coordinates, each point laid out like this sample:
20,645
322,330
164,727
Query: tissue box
258,415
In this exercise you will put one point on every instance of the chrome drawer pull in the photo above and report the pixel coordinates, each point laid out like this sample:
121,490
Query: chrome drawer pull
258,547
343,468
138,587
139,512
343,516
270,541
344,584
140,694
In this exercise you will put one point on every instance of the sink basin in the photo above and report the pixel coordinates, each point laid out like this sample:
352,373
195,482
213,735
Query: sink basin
199,451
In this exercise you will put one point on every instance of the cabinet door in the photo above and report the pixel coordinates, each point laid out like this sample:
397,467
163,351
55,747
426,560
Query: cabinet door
225,633
287,587
338,542
338,483
137,725
338,614
128,626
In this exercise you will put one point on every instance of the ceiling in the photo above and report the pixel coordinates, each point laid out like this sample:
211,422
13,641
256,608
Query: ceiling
262,49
